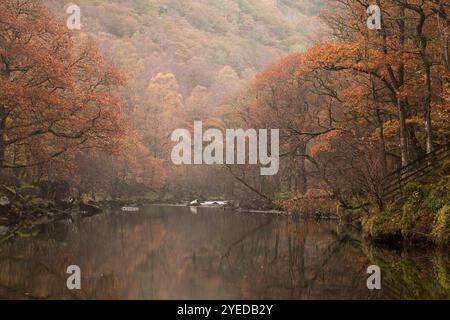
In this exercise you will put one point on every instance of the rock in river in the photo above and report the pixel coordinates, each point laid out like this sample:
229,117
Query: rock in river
195,203
3,230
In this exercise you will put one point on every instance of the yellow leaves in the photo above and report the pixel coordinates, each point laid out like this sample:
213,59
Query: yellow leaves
327,53
391,128
441,119
227,73
246,23
416,120
164,87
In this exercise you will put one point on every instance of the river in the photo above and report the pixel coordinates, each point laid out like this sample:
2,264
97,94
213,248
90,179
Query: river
208,253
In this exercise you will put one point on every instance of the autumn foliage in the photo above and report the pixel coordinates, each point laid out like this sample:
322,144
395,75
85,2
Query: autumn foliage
356,105
57,104
362,103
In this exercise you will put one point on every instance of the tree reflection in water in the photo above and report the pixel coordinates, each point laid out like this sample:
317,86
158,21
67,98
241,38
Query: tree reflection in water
172,253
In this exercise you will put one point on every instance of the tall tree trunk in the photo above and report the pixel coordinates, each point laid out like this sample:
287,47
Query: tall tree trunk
404,150
427,109
423,44
397,83
303,188
382,143
403,133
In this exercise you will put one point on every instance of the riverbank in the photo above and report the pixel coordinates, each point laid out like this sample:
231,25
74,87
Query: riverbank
24,208
421,214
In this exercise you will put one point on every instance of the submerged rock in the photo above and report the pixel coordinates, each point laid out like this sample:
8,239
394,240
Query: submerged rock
90,209
3,230
27,231
130,209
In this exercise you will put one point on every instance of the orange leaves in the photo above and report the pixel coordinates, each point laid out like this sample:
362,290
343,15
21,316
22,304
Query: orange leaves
324,142
142,168
339,54
57,93
314,201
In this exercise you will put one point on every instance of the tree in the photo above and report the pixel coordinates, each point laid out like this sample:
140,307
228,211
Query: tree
404,51
54,92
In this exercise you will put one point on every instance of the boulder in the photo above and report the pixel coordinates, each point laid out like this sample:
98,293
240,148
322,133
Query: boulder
5,206
4,201
130,209
195,203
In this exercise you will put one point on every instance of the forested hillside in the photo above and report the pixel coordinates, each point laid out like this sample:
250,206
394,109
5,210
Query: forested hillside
194,40
187,60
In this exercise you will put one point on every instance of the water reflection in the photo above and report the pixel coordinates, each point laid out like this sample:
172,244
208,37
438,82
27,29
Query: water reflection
173,253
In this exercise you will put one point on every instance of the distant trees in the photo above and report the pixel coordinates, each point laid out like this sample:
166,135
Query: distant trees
141,6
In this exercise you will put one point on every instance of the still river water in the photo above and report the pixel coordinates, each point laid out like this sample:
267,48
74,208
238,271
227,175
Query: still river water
208,253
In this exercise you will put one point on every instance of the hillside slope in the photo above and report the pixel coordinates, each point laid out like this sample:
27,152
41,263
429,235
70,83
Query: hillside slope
195,39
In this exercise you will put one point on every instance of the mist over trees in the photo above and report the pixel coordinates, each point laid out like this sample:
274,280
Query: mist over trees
352,104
